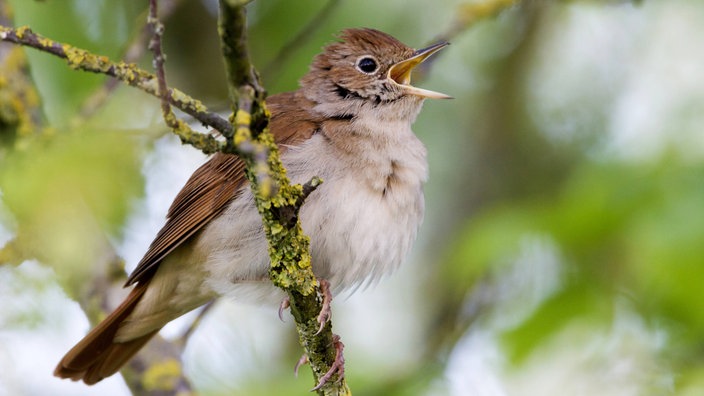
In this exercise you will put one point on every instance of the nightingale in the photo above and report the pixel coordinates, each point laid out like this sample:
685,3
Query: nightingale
348,123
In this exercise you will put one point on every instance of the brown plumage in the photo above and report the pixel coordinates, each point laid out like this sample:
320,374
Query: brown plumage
207,192
348,123
96,356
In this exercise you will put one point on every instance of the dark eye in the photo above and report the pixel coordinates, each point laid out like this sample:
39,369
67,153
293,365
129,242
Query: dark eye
367,65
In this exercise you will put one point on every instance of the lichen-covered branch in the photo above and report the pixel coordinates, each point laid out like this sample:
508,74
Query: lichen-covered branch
278,202
80,59
180,127
20,107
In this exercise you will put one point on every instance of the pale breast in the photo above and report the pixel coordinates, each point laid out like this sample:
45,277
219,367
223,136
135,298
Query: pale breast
362,220
365,216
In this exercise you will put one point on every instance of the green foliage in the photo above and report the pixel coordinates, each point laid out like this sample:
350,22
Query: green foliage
625,230
522,153
64,190
577,301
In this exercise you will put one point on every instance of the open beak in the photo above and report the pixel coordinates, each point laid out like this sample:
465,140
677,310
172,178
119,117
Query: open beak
401,72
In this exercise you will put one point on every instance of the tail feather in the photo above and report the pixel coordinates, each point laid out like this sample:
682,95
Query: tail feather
97,356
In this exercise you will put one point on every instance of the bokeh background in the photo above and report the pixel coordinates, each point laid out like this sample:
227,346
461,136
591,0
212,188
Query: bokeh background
563,247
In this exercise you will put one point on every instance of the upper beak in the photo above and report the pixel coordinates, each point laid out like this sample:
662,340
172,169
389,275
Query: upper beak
401,72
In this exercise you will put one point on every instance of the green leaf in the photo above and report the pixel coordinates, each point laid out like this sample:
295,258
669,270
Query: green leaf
580,301
68,192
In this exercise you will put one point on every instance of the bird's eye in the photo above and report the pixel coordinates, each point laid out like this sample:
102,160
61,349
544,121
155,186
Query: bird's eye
367,65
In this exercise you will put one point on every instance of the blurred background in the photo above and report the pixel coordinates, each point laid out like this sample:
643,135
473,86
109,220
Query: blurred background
563,246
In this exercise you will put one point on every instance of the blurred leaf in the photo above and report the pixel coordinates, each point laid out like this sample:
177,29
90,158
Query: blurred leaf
577,301
667,254
66,191
597,202
492,239
692,381
624,228
23,308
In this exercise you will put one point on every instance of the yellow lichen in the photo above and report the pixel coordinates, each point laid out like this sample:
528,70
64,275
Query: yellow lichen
194,104
20,31
74,56
45,42
242,134
19,100
243,118
162,376
78,59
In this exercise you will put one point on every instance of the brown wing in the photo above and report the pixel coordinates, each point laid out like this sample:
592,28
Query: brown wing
217,182
97,356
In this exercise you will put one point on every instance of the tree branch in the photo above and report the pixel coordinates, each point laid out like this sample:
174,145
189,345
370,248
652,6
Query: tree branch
180,127
156,369
288,246
80,59
20,106
277,200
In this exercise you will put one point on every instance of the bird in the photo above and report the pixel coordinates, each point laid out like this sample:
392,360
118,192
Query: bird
349,123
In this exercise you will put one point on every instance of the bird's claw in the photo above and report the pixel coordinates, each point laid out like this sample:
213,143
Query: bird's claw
303,360
285,303
338,366
325,312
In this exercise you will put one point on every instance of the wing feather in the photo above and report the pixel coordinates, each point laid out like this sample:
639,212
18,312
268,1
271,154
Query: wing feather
219,181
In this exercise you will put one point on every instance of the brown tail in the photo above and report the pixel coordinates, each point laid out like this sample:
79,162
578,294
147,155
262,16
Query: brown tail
96,356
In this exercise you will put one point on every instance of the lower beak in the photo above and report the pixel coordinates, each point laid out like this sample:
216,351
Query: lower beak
401,72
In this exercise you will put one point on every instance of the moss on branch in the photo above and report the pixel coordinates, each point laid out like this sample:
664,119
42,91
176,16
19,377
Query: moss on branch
277,200
20,111
247,135
80,59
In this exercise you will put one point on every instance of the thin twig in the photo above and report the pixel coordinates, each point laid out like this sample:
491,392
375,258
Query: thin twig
133,53
157,29
80,59
291,268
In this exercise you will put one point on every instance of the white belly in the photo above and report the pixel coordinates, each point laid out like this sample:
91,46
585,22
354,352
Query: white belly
362,222
358,234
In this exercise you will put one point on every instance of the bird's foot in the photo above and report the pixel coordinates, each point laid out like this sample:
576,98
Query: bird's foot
303,360
338,366
325,312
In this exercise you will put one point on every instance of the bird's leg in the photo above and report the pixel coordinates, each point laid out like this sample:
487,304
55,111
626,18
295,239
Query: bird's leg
325,312
338,366
303,360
